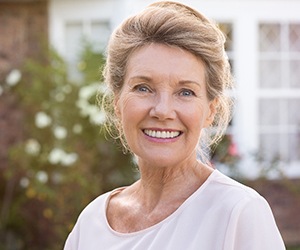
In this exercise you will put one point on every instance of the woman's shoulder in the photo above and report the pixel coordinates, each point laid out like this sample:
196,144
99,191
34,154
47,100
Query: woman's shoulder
248,211
234,199
228,184
230,191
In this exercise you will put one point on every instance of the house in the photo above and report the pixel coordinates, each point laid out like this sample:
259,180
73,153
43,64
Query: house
264,49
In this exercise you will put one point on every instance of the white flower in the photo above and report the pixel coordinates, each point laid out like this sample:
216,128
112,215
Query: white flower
97,118
60,97
88,91
60,132
103,88
42,176
83,106
77,128
24,182
13,77
42,120
69,159
67,89
92,111
32,147
58,155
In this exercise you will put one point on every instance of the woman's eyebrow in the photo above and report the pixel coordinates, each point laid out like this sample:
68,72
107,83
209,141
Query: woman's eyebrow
189,82
140,77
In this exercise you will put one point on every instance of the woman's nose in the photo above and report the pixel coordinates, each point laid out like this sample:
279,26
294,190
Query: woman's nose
163,107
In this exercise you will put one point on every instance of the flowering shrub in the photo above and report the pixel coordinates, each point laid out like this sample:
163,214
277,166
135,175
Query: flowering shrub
64,160
227,155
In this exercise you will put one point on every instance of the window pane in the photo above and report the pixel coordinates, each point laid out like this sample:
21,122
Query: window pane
100,34
74,35
270,73
269,112
294,112
269,146
294,147
269,37
73,39
295,73
294,37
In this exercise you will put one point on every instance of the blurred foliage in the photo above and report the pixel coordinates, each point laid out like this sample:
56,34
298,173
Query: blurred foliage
64,160
293,248
270,167
226,155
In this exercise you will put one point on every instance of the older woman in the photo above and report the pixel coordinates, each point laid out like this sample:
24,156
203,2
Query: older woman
168,74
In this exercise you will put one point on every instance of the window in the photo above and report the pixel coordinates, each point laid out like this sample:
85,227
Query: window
227,29
73,39
279,85
76,32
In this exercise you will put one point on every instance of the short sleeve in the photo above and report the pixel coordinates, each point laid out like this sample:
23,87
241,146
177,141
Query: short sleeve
253,227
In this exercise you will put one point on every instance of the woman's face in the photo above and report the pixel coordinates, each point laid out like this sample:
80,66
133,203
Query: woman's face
163,104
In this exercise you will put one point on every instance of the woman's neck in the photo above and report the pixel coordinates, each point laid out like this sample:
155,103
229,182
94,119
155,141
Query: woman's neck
164,185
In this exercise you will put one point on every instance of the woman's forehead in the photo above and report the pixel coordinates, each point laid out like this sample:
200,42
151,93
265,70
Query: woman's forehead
164,60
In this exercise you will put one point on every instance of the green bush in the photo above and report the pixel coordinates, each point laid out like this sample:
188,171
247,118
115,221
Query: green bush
64,160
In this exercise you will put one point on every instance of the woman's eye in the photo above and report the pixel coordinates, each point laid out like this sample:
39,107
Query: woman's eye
142,88
187,92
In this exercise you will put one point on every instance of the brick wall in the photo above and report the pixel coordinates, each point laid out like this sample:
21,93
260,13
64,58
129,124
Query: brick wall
23,28
284,199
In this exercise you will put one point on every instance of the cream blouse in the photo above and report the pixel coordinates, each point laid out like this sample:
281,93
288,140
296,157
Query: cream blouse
221,214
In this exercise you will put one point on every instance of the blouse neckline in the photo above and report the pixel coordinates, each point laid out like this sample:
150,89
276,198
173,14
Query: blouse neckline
162,222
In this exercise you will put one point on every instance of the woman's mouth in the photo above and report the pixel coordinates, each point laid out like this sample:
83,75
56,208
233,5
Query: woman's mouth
164,134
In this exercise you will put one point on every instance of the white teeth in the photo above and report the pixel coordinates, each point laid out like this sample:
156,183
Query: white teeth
161,134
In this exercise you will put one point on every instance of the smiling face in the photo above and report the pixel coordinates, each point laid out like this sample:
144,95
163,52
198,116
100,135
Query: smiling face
163,104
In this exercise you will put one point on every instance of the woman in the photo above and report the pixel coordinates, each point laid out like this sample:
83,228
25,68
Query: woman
168,74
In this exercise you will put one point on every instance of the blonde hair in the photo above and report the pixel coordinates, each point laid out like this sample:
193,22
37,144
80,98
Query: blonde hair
174,24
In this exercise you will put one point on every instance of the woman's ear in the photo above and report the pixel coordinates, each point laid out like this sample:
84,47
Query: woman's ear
213,107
